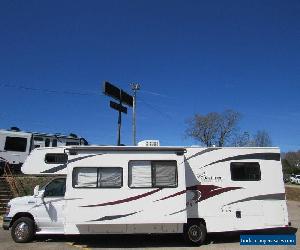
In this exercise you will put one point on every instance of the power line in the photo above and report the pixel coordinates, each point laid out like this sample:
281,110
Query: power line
51,91
162,113
84,93
155,94
70,92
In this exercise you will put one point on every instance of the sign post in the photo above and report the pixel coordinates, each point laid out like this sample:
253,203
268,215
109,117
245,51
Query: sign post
123,98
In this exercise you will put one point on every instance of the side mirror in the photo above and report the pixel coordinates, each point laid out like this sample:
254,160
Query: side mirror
41,194
36,191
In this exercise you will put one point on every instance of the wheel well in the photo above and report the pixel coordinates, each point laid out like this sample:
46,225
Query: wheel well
19,215
201,220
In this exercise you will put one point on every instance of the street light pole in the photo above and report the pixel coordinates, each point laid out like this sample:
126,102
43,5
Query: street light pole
135,87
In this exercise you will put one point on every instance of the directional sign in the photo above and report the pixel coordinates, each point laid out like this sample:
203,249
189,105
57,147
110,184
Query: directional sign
117,94
111,90
126,98
118,107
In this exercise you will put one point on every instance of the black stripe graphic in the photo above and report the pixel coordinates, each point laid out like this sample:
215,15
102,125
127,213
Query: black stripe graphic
202,152
277,196
180,211
114,217
56,200
256,156
63,166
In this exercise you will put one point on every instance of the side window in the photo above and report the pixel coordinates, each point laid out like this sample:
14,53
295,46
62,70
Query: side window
47,142
56,158
245,171
110,177
36,138
91,177
140,174
85,177
17,144
72,143
54,143
56,188
152,174
164,173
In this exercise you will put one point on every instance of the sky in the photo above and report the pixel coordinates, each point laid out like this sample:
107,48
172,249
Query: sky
188,56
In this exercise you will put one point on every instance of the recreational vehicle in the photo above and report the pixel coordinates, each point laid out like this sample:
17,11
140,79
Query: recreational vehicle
15,145
14,148
133,190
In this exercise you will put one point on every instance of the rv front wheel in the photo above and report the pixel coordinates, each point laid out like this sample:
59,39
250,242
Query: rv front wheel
23,230
195,232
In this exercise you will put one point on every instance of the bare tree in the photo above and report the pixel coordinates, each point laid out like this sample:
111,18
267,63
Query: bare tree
203,128
227,124
293,158
241,139
213,128
261,139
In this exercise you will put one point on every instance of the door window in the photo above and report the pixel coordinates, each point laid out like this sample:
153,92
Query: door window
47,142
56,188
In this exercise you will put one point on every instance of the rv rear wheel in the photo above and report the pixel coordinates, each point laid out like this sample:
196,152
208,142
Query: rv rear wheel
23,230
195,232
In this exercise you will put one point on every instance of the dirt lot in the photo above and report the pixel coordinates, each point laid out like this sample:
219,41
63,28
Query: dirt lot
292,192
220,241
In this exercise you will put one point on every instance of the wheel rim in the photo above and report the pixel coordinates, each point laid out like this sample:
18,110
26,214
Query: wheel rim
195,233
22,231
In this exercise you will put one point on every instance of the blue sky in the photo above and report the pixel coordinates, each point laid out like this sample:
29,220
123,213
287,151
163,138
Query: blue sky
189,57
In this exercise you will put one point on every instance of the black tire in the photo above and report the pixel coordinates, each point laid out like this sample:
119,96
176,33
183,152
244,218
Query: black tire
23,230
195,232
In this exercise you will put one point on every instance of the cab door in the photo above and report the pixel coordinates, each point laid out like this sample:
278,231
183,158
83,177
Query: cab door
49,210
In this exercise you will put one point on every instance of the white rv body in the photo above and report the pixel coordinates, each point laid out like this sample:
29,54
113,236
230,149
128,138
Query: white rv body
209,187
14,146
35,163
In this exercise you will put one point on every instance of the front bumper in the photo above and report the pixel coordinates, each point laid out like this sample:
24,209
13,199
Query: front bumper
6,222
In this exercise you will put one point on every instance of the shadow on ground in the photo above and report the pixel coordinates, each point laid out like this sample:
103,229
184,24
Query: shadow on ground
142,241
134,241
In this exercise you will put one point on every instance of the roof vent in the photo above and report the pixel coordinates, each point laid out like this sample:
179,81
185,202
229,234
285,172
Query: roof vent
149,143
16,129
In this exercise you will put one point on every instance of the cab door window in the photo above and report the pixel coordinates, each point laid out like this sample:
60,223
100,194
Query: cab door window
56,188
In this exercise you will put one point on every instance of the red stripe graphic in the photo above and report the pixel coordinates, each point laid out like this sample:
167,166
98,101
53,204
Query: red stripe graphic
207,191
124,200
172,195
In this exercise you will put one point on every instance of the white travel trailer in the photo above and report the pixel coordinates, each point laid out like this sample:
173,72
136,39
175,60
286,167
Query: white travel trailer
14,148
131,190
15,145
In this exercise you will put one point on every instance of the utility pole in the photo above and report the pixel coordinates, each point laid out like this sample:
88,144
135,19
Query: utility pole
135,87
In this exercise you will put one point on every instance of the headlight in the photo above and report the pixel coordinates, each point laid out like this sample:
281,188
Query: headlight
7,210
